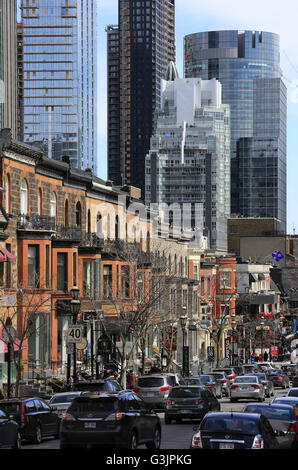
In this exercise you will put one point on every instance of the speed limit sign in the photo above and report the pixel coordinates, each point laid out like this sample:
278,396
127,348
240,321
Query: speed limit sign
75,333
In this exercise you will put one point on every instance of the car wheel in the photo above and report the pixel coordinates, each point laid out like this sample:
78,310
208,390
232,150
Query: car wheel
133,444
155,444
168,421
17,444
38,435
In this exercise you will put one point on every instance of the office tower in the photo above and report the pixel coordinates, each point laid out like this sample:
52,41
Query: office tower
60,79
238,59
20,67
146,46
189,158
8,65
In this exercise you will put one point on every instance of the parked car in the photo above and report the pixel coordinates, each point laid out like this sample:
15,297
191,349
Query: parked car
279,378
212,385
189,402
247,386
100,385
250,368
239,370
120,420
61,401
223,380
290,370
9,432
234,430
293,392
282,419
230,372
154,389
267,383
35,418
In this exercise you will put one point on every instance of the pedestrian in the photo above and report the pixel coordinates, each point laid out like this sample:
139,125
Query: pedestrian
1,394
260,357
265,356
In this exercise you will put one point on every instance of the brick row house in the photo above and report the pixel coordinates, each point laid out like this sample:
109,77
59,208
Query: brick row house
63,227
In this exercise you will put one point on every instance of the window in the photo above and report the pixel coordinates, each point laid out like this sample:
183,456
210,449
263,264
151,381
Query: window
66,216
202,286
78,215
89,222
196,271
125,281
225,279
30,406
117,228
33,266
7,194
24,197
99,225
107,281
8,267
53,206
62,272
91,271
184,298
47,265
39,202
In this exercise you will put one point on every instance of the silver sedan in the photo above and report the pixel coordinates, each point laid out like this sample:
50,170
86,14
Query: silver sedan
247,387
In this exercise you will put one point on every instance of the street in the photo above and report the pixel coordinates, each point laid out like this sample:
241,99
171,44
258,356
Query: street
174,436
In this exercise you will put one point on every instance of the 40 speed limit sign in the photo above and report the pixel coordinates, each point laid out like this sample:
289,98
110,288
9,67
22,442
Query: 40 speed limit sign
75,333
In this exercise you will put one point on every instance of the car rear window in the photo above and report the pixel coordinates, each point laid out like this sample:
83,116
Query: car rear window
272,412
238,425
87,404
185,392
293,392
171,381
246,380
205,379
193,382
218,376
63,399
151,382
11,407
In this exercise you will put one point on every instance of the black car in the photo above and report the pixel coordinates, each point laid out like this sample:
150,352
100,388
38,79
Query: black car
278,377
234,430
9,432
121,420
35,418
100,385
239,370
189,402
290,370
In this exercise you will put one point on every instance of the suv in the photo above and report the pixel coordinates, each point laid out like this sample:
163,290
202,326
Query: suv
122,420
101,385
154,389
222,378
35,418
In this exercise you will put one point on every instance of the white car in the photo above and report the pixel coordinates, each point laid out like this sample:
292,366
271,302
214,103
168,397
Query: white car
61,401
247,387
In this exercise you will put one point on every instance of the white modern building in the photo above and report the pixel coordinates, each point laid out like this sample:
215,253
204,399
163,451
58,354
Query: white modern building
189,161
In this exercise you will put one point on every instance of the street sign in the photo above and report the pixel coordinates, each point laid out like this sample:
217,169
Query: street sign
97,315
83,344
9,334
75,333
227,348
185,364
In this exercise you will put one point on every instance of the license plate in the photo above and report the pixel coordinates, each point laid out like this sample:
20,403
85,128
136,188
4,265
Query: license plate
224,445
90,425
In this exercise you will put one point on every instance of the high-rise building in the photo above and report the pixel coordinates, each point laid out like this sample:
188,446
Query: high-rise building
189,159
20,67
8,65
239,59
146,46
60,79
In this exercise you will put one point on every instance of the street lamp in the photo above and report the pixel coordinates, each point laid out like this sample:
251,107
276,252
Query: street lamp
183,321
75,307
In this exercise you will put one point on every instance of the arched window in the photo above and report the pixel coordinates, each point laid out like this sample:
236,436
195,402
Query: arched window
24,197
78,214
117,227
99,225
53,205
66,214
148,242
89,221
7,194
39,201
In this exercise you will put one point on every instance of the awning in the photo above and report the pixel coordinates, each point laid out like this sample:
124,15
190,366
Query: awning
10,257
16,344
253,277
261,277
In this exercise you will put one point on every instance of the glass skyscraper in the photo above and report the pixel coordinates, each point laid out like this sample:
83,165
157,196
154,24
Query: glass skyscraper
238,59
60,78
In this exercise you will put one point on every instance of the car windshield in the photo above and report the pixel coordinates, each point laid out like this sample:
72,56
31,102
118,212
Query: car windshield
246,379
205,379
272,412
193,381
293,392
63,398
150,382
87,404
185,392
242,425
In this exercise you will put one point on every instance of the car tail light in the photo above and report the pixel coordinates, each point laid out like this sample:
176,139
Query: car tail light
24,416
280,377
233,387
209,385
199,402
266,383
136,389
67,417
258,442
197,441
114,417
232,376
224,381
164,389
256,387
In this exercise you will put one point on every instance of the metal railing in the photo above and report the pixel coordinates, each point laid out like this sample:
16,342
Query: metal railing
36,222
